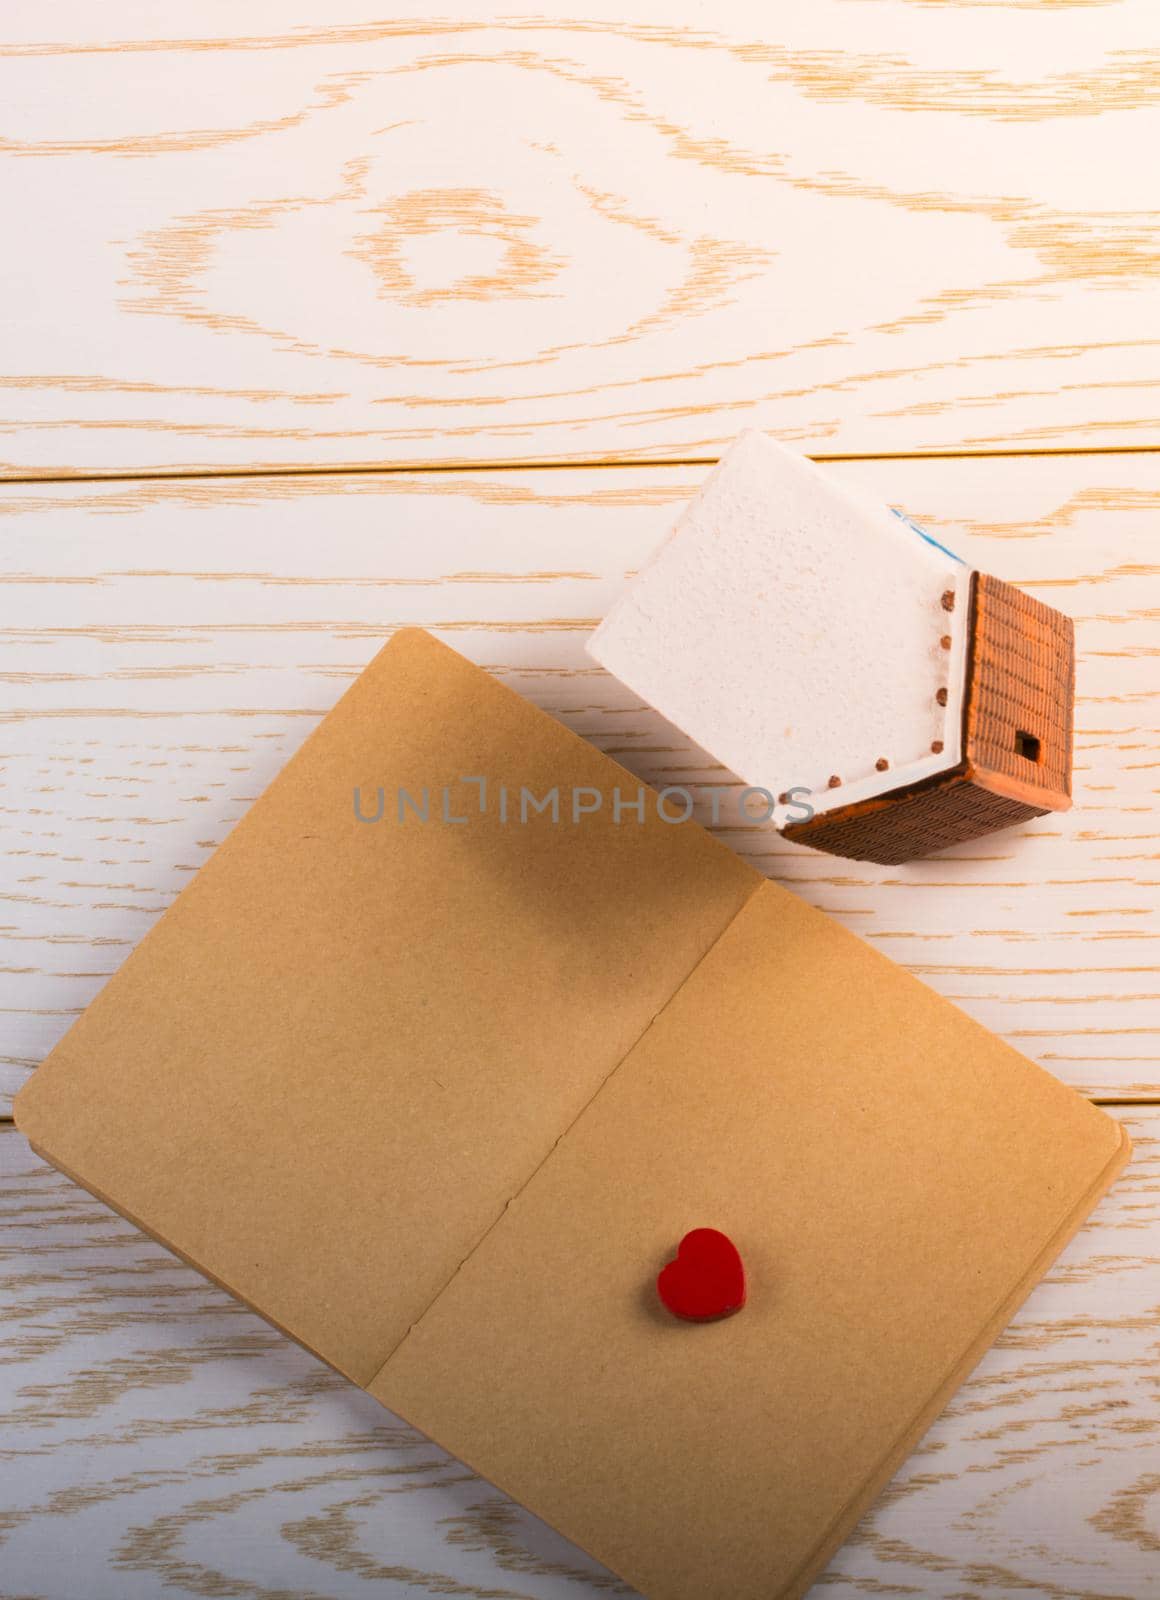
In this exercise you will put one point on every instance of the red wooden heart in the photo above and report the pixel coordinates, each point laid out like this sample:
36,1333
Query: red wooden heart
707,1279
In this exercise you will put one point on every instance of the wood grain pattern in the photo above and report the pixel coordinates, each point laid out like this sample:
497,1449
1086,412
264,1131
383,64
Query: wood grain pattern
165,646
247,237
285,235
154,1433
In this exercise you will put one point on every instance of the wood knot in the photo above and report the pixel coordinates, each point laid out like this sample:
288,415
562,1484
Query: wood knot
937,746
948,600
881,764
941,697
835,782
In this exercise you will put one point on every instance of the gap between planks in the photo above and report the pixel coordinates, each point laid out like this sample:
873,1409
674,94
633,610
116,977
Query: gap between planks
562,464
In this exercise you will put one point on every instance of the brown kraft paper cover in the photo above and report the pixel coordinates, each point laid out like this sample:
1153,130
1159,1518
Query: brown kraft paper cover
438,1099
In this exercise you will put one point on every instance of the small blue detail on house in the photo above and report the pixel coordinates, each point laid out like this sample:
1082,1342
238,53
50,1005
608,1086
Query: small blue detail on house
922,534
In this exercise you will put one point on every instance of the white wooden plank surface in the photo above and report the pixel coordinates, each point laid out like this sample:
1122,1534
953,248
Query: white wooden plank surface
154,1434
165,646
285,233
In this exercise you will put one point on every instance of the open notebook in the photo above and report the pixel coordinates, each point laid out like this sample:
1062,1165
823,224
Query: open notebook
438,1098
